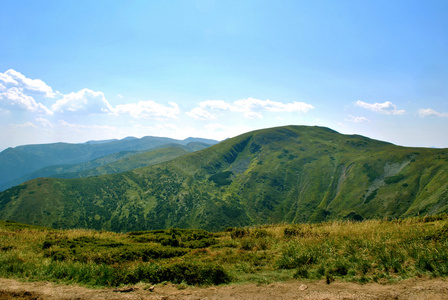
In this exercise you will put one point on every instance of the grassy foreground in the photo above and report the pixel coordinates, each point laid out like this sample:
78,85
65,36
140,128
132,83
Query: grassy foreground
379,251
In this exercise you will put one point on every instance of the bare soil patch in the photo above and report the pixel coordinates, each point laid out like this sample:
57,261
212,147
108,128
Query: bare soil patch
407,289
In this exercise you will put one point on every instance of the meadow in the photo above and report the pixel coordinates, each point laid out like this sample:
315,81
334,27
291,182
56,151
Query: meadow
381,251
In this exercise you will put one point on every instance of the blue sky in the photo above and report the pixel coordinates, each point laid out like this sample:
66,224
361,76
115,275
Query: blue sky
74,71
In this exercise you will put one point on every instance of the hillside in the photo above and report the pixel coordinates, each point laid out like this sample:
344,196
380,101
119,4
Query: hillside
113,163
292,174
31,161
138,160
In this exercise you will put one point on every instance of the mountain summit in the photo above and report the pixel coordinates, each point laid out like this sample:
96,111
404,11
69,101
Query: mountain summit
290,174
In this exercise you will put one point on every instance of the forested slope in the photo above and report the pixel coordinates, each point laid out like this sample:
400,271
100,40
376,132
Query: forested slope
293,174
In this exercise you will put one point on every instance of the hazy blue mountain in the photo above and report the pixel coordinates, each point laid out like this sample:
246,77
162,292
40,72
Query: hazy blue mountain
25,160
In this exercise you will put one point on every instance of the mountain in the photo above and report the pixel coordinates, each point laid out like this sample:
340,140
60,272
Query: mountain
24,161
113,163
138,160
291,174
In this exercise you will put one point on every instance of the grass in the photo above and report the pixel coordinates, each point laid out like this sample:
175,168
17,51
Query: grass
369,251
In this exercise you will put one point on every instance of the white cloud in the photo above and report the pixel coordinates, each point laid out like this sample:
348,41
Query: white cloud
15,90
44,122
357,119
252,115
14,98
217,104
78,127
250,107
14,78
251,104
7,79
149,109
427,112
84,101
201,114
385,108
27,124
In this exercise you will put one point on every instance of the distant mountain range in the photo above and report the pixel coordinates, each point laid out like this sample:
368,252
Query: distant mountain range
31,161
291,174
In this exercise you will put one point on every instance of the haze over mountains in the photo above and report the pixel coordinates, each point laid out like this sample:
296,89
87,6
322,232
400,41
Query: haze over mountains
290,174
47,160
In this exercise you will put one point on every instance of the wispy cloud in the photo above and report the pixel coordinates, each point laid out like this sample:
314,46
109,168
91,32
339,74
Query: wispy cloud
251,108
149,109
23,125
428,112
201,114
44,122
357,119
79,127
385,108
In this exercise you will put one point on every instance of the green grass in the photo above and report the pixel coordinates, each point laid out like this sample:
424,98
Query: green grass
369,251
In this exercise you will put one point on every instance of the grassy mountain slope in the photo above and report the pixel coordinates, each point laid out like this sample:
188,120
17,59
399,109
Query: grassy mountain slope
370,251
291,174
25,160
113,163
137,160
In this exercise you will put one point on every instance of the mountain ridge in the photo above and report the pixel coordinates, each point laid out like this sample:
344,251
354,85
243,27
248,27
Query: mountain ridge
292,174
26,159
113,163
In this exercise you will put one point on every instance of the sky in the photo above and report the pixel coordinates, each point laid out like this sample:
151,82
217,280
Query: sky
74,71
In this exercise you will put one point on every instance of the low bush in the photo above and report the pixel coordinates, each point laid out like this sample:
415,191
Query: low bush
236,233
295,255
190,273
291,231
361,252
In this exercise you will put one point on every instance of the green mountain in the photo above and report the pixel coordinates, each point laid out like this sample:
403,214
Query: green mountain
28,162
137,160
114,163
292,174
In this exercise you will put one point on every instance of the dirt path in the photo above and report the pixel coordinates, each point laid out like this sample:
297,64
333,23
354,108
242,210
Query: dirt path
408,289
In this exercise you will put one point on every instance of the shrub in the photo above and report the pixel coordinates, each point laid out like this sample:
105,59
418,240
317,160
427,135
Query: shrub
58,254
301,272
295,256
190,273
221,179
291,231
238,233
393,179
259,233
247,244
